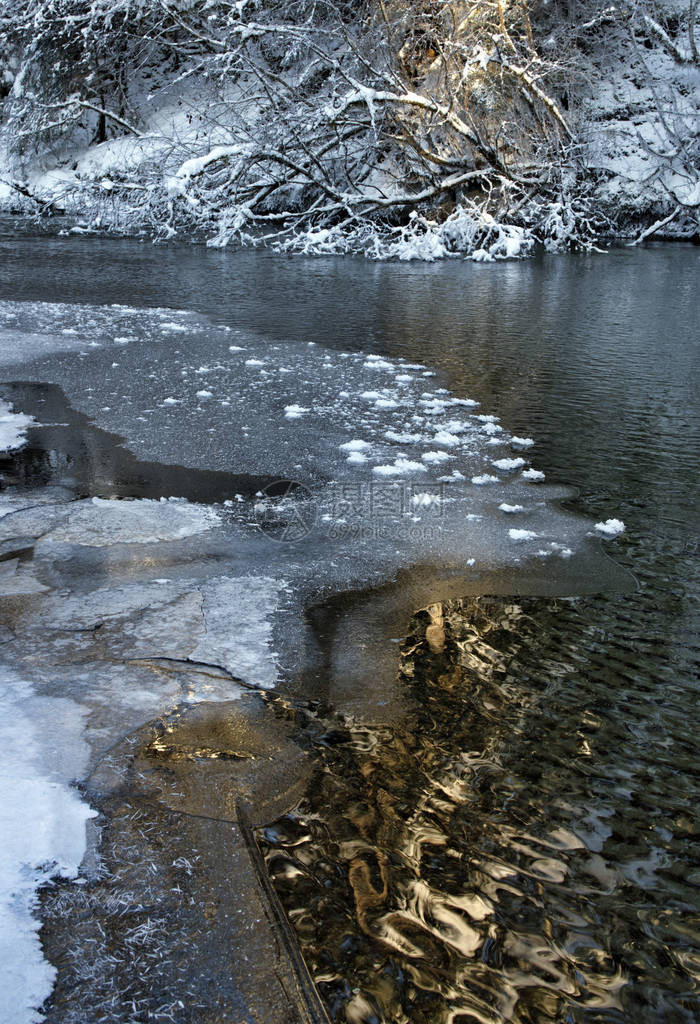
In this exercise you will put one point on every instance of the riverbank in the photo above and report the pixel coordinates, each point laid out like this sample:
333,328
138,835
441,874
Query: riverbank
343,132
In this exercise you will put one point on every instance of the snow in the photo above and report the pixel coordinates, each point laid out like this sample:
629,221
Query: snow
611,527
42,823
13,428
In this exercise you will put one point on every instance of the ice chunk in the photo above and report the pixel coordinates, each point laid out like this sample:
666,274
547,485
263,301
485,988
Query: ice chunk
355,445
507,464
377,363
238,617
509,509
611,527
13,426
521,442
432,457
446,438
293,412
534,475
403,437
484,478
521,535
401,467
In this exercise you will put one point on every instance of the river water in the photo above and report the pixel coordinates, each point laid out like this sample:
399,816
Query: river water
518,844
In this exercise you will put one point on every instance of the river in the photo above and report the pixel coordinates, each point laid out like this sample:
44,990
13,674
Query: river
512,840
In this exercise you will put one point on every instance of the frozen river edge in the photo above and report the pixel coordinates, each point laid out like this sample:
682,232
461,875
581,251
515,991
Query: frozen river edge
129,639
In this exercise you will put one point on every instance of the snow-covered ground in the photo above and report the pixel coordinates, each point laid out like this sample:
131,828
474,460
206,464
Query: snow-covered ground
133,607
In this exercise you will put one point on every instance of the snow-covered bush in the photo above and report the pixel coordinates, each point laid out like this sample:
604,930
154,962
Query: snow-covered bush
403,129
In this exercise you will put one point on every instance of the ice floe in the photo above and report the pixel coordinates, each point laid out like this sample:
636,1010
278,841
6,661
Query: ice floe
99,522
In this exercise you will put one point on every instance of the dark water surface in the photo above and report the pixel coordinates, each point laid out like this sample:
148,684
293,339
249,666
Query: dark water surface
523,846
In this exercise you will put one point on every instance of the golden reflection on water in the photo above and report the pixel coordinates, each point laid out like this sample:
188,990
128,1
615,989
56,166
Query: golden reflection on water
453,868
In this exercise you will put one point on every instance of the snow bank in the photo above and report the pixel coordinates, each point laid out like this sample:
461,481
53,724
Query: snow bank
42,822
